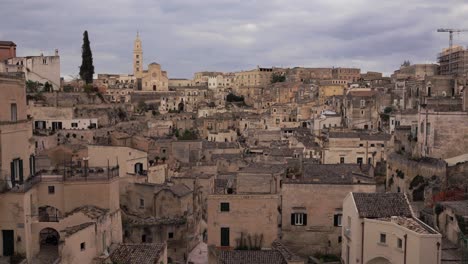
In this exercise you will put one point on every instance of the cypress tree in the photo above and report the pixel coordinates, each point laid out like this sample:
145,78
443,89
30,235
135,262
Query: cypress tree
86,68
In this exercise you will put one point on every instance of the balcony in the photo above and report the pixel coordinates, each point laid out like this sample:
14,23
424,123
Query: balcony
6,185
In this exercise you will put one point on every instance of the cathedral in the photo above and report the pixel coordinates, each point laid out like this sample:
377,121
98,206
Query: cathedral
153,79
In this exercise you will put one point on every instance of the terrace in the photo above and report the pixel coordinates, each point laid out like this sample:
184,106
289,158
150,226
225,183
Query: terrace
66,174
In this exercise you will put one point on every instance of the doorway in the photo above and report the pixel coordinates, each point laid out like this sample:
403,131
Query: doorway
8,242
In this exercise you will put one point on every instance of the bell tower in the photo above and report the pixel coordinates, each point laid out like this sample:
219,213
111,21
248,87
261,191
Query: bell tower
137,57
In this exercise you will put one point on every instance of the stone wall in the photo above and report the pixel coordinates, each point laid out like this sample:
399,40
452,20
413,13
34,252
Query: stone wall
401,172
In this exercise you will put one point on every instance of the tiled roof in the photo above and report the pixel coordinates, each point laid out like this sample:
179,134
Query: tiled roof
251,257
138,253
361,93
410,223
90,211
74,229
285,252
379,205
136,220
179,190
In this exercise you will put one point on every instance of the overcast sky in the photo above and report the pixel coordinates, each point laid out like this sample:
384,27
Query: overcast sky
186,36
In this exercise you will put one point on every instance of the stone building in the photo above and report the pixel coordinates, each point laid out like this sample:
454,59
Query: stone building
453,61
436,134
451,221
153,79
308,226
307,75
415,71
253,78
361,109
348,74
245,215
359,148
162,213
44,216
381,228
7,50
175,82
326,91
42,69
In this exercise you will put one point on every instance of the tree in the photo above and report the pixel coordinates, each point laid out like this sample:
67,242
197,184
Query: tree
142,107
86,68
48,87
276,77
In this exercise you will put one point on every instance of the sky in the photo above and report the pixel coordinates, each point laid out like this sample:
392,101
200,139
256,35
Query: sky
186,36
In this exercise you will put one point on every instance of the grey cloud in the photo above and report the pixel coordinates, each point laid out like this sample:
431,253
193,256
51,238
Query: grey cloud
227,35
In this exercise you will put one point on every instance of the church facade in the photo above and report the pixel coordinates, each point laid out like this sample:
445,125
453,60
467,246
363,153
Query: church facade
152,79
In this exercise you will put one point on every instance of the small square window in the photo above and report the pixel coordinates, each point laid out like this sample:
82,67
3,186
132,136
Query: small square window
383,238
170,235
224,207
361,145
372,145
83,246
399,243
142,203
51,189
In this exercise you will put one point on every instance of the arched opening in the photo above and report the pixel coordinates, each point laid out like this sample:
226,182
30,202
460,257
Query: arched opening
49,213
49,239
379,260
138,168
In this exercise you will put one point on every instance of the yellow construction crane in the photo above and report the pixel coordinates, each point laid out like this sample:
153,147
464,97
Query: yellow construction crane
451,30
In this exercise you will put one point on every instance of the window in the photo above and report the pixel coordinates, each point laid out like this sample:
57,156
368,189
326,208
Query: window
341,160
51,189
14,114
372,145
74,124
225,236
337,219
299,219
340,239
363,103
16,171
83,246
137,56
224,207
142,203
143,239
383,238
361,145
359,160
32,164
399,243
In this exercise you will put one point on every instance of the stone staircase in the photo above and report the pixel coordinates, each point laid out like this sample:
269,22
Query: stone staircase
47,255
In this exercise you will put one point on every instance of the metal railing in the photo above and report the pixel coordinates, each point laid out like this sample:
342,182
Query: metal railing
67,174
